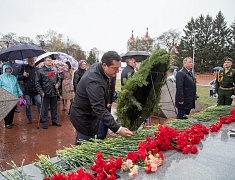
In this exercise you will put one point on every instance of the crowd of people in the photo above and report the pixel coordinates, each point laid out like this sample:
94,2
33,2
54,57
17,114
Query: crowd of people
39,86
88,94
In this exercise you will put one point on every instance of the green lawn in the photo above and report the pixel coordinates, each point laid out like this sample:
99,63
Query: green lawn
202,92
118,85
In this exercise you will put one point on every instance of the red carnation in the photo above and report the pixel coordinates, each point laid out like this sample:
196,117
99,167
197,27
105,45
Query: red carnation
132,156
185,150
148,168
194,149
51,74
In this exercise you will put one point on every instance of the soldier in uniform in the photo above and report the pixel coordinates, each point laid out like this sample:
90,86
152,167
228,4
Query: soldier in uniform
225,81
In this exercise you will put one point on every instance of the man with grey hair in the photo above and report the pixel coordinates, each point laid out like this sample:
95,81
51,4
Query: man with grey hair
27,76
129,70
185,89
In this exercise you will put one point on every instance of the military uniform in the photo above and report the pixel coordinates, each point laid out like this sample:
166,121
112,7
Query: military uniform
225,86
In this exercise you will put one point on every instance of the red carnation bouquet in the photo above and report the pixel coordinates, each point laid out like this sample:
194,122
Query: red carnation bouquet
51,75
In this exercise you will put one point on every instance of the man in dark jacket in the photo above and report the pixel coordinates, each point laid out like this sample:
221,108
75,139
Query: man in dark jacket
47,83
185,89
129,70
91,99
103,129
27,75
79,73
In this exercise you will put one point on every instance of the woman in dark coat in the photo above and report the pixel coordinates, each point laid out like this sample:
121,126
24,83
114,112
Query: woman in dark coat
185,89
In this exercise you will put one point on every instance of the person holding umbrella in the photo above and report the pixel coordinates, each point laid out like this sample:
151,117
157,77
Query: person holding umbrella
224,84
129,70
47,83
10,83
27,75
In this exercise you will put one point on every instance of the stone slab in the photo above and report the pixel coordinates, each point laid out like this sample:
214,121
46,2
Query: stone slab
214,161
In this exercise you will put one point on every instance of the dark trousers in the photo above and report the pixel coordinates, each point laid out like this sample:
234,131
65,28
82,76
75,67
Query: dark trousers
224,97
9,118
182,113
46,102
103,129
81,136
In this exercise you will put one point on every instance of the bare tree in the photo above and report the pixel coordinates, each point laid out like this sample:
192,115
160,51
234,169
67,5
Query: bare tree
169,39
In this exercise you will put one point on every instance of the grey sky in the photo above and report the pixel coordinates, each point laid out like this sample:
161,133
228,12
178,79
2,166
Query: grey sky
105,24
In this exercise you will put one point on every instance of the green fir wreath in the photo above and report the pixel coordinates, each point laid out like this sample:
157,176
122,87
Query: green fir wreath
138,98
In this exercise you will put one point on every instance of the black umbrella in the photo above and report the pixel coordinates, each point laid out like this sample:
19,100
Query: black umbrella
19,52
138,55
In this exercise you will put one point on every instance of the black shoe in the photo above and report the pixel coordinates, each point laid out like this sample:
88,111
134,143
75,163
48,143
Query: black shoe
17,110
8,126
11,125
44,126
56,124
29,121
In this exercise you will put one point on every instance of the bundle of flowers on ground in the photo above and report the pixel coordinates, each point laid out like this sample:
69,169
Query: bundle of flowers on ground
149,155
168,138
144,150
223,120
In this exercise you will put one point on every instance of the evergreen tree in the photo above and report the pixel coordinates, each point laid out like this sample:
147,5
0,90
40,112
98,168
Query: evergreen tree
232,49
185,47
91,58
222,39
213,41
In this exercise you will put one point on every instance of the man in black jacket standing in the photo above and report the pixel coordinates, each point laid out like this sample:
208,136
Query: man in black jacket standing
47,83
91,99
185,89
129,70
27,75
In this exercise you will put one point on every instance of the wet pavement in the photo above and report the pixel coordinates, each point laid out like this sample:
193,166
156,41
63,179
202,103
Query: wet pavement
24,141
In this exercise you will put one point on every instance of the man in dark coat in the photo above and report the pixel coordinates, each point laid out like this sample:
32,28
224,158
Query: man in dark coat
91,99
185,89
47,83
129,70
103,129
224,84
27,75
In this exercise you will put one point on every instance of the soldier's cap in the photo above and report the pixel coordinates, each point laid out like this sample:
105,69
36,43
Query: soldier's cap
228,59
